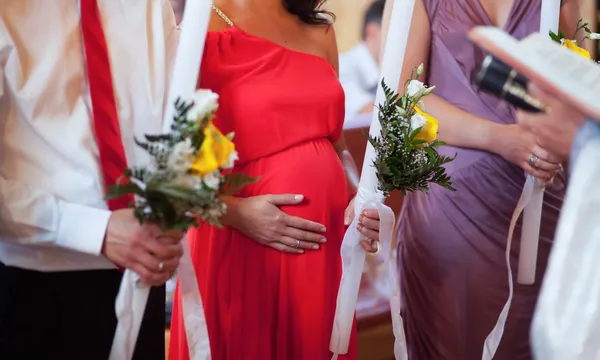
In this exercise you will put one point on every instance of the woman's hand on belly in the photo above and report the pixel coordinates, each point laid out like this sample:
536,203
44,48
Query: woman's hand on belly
368,226
260,218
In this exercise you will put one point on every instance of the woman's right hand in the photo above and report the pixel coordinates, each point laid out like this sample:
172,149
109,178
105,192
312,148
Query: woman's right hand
518,146
260,218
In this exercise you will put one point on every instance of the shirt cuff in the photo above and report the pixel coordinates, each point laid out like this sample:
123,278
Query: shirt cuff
82,228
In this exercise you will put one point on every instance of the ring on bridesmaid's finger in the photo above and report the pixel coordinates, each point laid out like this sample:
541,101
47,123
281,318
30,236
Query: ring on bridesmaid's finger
161,266
297,244
532,160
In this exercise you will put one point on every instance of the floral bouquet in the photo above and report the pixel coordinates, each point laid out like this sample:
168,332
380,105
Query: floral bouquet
572,44
189,170
407,157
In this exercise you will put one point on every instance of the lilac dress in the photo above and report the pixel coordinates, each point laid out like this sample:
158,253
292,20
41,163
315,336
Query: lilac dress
452,244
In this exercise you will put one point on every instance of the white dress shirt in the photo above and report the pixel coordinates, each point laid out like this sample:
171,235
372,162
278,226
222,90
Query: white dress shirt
53,216
359,75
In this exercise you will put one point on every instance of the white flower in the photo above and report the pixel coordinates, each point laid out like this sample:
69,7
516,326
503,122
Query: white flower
593,36
206,102
188,181
212,180
417,121
415,88
181,156
233,157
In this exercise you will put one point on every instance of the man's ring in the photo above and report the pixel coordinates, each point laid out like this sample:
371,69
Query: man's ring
297,244
161,266
532,160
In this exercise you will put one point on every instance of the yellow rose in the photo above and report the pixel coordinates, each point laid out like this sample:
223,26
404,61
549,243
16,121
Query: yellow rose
569,44
214,152
429,131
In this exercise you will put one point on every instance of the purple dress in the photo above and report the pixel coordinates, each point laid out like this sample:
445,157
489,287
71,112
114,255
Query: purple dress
452,244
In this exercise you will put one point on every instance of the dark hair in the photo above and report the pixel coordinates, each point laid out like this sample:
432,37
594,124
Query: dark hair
309,11
374,14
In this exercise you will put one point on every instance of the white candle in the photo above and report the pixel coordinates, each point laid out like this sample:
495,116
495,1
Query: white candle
353,257
189,55
530,232
132,298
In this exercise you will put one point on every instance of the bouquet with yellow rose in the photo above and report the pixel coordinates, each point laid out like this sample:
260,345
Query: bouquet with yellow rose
189,169
407,157
572,43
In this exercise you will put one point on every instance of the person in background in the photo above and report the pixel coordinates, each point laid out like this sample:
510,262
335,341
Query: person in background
68,123
359,67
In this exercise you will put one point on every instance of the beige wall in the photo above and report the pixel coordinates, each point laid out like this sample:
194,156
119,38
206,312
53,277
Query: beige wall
348,25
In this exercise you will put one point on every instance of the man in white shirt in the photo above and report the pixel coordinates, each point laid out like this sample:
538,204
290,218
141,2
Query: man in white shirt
359,67
59,243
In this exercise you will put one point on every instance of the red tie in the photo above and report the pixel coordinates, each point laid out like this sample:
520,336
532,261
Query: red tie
104,108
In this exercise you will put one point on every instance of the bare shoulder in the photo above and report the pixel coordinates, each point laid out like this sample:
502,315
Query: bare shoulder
324,38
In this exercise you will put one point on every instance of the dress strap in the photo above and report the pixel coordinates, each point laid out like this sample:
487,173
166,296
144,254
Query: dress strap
222,15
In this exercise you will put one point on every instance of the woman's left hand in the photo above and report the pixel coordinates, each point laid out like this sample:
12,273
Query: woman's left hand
368,226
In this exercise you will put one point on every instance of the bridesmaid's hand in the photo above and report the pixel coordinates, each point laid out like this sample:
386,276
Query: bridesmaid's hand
519,146
260,218
368,226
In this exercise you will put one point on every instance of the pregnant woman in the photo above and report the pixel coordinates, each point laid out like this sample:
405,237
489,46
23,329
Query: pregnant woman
452,244
269,278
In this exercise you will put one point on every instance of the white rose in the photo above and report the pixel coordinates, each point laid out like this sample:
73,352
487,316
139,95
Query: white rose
212,180
594,36
417,121
415,88
233,157
181,156
205,102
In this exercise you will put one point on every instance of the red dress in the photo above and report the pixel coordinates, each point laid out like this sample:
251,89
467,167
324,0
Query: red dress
287,110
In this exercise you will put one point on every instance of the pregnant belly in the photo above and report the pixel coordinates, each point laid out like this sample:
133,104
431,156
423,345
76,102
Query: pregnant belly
312,169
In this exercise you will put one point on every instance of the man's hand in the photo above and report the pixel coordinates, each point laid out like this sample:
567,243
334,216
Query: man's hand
555,130
145,249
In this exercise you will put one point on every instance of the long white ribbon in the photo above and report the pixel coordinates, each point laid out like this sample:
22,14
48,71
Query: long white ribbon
531,201
133,296
353,256
493,339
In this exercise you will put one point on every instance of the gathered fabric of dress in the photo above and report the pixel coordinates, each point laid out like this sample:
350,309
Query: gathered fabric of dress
286,109
452,244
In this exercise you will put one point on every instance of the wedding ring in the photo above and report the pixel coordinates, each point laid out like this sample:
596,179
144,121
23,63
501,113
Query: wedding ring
161,266
532,160
297,244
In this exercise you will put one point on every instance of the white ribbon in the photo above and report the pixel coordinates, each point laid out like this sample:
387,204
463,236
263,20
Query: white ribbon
532,200
133,296
492,341
353,256
192,310
353,259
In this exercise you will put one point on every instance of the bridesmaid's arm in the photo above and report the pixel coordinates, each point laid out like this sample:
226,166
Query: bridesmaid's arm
462,129
452,120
